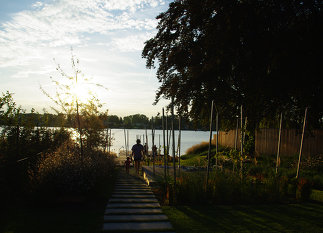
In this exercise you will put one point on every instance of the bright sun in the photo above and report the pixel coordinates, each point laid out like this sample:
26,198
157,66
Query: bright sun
81,92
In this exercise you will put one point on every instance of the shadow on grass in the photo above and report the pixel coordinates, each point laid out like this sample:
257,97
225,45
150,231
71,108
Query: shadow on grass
242,218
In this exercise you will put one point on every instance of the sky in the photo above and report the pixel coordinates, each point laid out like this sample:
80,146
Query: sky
107,36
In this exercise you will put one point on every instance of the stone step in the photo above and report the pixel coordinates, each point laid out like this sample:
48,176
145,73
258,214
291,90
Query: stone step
130,184
133,195
137,226
132,189
133,211
133,205
132,192
113,200
135,218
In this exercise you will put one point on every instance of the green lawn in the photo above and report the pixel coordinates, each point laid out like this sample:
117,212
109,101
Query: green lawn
247,218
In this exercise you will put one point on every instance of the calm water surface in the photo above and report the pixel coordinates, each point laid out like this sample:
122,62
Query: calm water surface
188,138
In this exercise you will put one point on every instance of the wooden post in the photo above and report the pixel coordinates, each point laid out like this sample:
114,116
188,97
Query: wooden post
167,144
106,141
163,125
210,143
110,138
301,147
159,148
125,141
173,146
153,142
279,141
147,148
128,141
179,145
241,154
217,140
236,136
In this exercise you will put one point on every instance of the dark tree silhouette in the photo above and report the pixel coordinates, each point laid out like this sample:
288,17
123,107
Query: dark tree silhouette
265,55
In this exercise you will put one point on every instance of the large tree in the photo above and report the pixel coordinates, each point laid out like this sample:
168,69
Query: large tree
263,54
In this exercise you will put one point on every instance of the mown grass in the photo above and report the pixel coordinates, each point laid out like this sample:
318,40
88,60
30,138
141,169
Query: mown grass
246,218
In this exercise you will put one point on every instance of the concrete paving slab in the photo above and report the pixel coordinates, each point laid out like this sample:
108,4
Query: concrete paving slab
131,183
138,226
132,189
133,205
133,211
132,200
133,195
134,218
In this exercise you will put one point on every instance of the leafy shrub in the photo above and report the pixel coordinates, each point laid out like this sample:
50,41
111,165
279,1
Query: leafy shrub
318,182
303,191
198,148
64,172
227,188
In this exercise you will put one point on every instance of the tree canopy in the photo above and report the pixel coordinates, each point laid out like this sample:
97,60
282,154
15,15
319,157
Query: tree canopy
263,54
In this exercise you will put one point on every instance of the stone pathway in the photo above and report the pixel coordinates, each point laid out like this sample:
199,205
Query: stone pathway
134,208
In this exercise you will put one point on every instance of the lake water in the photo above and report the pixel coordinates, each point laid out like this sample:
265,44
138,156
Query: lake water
188,138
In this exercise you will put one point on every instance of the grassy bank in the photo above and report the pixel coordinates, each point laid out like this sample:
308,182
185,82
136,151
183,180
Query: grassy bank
246,218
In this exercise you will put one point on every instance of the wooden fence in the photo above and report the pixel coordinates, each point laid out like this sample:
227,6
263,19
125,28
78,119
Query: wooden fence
266,141
227,138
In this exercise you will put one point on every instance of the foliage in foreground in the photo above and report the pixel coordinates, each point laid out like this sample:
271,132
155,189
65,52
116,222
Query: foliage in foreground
305,217
65,173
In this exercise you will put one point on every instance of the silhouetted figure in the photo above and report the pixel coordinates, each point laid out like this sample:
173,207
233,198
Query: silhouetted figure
127,164
137,152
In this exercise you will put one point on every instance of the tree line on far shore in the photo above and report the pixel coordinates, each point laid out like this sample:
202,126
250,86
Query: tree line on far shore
136,121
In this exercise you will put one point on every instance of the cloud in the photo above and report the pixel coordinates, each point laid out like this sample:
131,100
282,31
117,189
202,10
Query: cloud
37,5
130,43
64,23
101,32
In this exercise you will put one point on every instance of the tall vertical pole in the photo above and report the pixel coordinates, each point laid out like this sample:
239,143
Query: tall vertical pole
210,143
279,141
236,136
158,147
147,148
241,151
167,144
217,140
173,146
125,141
110,138
106,140
179,145
153,142
301,147
128,140
170,136
163,125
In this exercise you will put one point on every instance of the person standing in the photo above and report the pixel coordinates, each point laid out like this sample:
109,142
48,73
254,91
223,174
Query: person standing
137,152
127,164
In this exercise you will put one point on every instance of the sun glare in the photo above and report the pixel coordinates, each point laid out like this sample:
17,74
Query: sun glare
81,92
